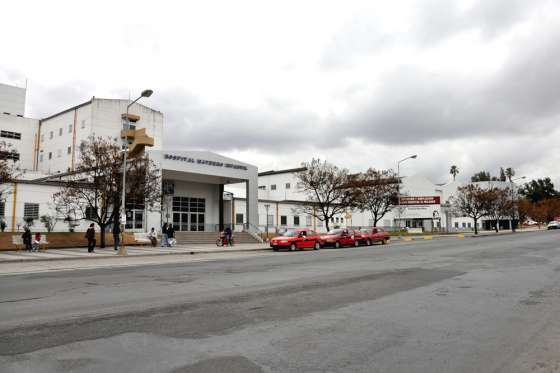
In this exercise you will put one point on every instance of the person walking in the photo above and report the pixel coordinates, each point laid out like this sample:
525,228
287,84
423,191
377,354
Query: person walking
170,235
26,238
90,235
116,234
152,235
164,241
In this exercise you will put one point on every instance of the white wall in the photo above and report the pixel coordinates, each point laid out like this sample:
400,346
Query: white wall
34,193
12,100
28,129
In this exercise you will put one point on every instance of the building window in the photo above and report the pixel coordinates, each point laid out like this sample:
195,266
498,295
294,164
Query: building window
464,225
90,213
31,210
83,124
456,224
60,131
50,155
273,187
59,153
296,221
288,185
43,138
262,187
10,135
69,150
51,135
238,218
336,219
283,220
2,208
70,128
9,155
41,158
469,225
308,220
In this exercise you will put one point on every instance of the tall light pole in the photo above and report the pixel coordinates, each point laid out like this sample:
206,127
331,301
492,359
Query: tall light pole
513,201
126,125
399,187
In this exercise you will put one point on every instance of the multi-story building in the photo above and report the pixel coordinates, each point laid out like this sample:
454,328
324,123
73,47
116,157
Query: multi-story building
47,149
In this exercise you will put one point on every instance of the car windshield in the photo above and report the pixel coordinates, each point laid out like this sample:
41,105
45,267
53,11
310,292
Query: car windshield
290,234
335,231
363,230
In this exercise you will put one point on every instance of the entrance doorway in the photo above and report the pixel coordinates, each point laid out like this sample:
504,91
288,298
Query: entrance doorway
189,214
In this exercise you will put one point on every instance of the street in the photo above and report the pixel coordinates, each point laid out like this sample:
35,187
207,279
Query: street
487,304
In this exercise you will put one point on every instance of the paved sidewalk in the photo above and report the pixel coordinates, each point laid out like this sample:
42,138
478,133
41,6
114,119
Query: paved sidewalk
132,251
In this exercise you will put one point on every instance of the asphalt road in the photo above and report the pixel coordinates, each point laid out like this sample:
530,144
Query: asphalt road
476,305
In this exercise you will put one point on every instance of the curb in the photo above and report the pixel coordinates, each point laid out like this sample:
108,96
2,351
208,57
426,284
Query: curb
458,235
129,256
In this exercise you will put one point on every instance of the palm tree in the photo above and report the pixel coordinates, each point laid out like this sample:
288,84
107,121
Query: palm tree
510,173
454,171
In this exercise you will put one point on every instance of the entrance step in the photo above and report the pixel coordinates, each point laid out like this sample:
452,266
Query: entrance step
185,238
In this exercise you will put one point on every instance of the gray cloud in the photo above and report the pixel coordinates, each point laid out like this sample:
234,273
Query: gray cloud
433,22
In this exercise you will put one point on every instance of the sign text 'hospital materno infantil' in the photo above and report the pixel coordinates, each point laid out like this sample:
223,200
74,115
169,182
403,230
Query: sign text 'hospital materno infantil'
204,162
429,200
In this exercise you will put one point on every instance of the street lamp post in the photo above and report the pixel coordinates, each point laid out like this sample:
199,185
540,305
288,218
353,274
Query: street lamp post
266,206
126,125
399,188
513,201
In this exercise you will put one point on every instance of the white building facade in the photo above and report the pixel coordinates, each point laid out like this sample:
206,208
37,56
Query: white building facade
47,149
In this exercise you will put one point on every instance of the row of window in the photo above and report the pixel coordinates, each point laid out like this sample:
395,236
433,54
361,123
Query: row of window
466,225
10,135
61,131
58,154
287,186
6,155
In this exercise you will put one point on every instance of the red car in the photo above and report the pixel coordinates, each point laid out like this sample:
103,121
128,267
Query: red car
341,237
296,239
372,235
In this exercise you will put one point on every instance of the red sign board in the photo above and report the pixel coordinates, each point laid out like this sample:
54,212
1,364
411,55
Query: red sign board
429,200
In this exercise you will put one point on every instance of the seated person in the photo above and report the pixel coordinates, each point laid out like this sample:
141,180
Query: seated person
152,235
36,241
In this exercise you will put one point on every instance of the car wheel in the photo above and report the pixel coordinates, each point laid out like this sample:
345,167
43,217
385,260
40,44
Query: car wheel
275,248
293,247
317,245
356,243
337,245
368,242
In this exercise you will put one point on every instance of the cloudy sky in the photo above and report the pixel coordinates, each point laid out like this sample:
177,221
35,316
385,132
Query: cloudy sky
274,83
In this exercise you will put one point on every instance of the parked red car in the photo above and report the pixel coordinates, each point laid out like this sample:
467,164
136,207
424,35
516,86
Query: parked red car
296,239
341,237
372,235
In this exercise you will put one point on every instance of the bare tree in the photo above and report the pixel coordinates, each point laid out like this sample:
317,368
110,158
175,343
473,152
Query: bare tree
499,204
472,201
94,190
377,192
328,190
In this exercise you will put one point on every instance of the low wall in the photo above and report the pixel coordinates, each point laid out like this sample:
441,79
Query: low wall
60,240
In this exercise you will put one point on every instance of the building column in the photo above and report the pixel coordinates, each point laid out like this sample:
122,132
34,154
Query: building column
221,207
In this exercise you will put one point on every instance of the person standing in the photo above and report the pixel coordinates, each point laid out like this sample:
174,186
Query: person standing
90,235
116,234
26,238
164,241
170,235
228,237
37,241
